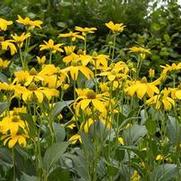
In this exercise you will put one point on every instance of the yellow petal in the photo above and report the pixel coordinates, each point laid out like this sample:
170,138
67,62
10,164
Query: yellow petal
12,142
99,105
39,96
178,94
84,103
141,91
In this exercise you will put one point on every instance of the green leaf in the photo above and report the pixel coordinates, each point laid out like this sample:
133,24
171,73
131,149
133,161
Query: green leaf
59,132
59,174
164,172
5,157
26,177
134,133
174,130
3,78
155,27
3,106
151,126
58,107
53,154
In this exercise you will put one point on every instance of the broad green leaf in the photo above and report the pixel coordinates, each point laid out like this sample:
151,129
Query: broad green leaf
58,107
3,106
53,154
174,130
59,132
5,157
26,177
134,133
59,174
151,126
3,78
164,172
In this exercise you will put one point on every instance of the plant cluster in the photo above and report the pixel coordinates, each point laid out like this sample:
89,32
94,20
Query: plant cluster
69,112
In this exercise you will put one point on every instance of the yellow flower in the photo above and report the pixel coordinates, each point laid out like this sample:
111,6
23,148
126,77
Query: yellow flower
151,73
72,35
85,30
14,139
20,39
5,86
89,98
135,176
75,138
71,126
27,77
74,70
28,22
115,28
178,94
41,60
12,123
4,63
51,46
141,88
13,128
100,61
139,50
4,24
121,140
86,125
163,99
7,44
33,93
169,68
116,71
69,49
159,157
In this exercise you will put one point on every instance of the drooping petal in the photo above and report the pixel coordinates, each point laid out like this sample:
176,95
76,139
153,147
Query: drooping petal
99,105
84,103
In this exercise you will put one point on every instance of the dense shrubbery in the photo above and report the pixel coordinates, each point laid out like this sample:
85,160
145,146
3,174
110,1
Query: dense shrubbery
89,103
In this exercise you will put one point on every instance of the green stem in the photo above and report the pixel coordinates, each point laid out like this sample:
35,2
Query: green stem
14,165
50,58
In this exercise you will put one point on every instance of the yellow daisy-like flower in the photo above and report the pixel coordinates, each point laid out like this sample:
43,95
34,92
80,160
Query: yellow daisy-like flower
89,98
141,88
9,45
135,176
13,128
139,50
33,93
4,24
12,140
116,71
20,39
163,99
85,30
75,138
4,63
74,71
169,68
151,73
121,140
159,157
86,125
41,60
69,49
50,45
12,123
28,22
115,28
100,61
72,35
